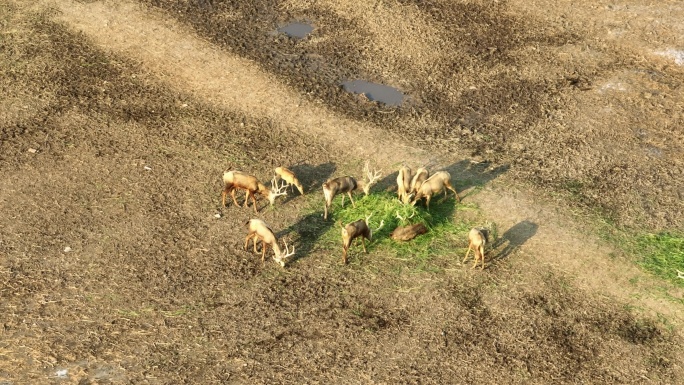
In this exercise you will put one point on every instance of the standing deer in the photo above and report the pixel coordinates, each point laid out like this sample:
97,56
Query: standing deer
477,239
259,230
289,176
346,185
233,180
435,184
404,183
354,230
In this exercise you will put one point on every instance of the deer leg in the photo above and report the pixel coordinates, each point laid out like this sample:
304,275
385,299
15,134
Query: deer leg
477,257
247,241
363,243
254,203
350,198
342,200
255,239
482,255
470,244
427,202
232,194
455,193
344,255
325,212
263,252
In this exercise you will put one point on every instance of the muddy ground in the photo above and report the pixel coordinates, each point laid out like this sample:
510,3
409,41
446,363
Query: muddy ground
117,120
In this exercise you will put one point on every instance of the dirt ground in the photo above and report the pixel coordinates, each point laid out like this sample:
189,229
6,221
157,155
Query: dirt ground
119,265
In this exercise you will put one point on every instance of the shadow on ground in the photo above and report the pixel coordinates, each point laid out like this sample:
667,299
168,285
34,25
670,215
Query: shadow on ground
513,238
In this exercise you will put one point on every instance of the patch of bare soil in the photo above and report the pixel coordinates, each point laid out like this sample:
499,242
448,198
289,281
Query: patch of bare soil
114,268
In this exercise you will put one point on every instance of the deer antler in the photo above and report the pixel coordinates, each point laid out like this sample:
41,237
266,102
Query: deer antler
281,258
276,189
680,274
405,219
372,177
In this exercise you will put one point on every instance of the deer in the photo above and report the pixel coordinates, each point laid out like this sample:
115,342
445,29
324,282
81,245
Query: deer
346,185
289,176
404,183
259,230
233,180
355,230
477,239
438,182
418,179
406,233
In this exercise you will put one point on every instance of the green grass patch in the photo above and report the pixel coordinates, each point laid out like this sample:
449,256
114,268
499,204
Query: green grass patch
445,240
661,254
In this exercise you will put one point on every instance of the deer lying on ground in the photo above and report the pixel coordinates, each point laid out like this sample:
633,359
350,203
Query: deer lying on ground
233,180
477,239
290,178
404,183
406,233
346,185
438,182
259,230
354,230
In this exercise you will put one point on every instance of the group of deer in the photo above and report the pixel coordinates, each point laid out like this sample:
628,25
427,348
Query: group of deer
257,229
412,187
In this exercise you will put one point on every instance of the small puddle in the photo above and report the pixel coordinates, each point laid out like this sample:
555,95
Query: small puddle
375,92
297,30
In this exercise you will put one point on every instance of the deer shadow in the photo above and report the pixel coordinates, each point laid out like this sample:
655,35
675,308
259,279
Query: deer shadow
513,238
466,175
308,230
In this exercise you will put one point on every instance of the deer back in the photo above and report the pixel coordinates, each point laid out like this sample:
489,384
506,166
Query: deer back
354,230
339,185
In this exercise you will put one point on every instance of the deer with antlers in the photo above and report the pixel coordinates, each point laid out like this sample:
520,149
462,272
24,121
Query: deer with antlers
233,180
348,184
259,230
289,177
438,182
355,230
477,239
406,233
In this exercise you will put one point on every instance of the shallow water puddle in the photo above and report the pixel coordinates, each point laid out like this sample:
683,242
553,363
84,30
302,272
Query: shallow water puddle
374,91
297,30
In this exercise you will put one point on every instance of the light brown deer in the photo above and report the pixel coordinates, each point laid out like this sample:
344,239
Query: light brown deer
438,182
418,179
477,239
290,178
233,180
259,230
404,183
355,230
346,185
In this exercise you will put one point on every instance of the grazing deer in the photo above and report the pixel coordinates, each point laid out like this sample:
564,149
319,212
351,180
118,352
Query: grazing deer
404,183
259,230
354,230
233,180
477,239
290,178
418,179
346,185
435,184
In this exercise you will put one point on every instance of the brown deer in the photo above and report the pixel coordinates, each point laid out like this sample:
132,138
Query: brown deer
233,180
355,230
406,233
477,239
346,185
404,183
438,182
290,178
259,230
